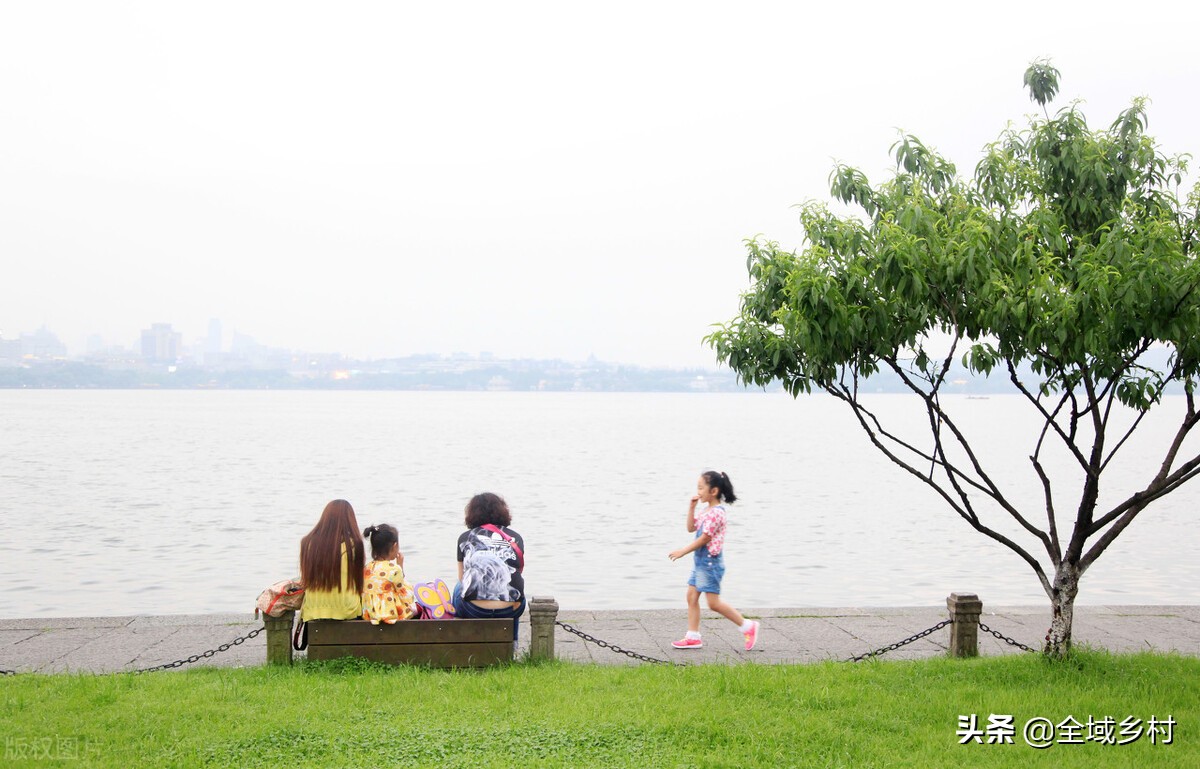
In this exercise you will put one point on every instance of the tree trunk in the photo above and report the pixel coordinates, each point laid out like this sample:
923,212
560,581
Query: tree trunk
1062,605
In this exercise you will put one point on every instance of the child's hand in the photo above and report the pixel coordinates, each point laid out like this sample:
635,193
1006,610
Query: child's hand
695,499
675,555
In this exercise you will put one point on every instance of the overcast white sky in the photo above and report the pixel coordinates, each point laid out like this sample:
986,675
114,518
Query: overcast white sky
548,180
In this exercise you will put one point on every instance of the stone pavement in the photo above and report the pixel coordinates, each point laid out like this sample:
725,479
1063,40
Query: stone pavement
112,644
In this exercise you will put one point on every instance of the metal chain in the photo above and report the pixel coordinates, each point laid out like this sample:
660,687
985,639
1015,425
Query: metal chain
1006,639
614,647
590,639
204,655
180,663
898,644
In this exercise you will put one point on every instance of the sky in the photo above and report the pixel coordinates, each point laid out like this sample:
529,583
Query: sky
549,180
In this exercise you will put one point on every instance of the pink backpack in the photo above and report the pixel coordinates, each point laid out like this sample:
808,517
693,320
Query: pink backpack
434,600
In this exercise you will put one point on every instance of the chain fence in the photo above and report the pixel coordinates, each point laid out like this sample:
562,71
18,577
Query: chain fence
203,655
1006,639
614,647
898,644
935,628
875,653
181,662
589,639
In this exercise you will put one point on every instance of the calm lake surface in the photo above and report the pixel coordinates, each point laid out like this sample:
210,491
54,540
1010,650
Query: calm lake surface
131,502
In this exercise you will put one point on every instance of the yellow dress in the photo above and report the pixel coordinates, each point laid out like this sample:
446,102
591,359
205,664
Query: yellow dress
387,596
333,604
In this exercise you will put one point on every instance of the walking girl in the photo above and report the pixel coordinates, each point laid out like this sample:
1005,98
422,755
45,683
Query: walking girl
708,567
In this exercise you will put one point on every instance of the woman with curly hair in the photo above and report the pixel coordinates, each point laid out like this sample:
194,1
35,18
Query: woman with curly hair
491,558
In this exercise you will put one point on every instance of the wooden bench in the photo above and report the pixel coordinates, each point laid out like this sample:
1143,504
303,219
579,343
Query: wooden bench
454,643
438,643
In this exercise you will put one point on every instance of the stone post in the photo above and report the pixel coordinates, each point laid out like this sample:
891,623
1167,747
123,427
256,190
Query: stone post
543,612
965,609
279,638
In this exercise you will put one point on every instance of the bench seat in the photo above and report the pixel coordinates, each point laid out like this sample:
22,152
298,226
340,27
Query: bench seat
455,643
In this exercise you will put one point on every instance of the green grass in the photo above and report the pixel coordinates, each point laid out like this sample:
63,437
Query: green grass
875,714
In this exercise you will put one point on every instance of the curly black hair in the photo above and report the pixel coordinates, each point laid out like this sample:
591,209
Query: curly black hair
487,508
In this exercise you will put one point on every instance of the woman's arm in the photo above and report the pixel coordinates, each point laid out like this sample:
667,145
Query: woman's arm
696,544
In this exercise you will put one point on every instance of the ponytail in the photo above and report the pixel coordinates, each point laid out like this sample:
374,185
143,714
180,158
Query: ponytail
382,536
723,485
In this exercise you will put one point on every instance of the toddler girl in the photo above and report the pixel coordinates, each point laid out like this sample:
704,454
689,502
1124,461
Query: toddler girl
387,596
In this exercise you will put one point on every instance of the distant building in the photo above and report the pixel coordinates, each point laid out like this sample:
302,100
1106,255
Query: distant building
10,349
41,345
213,343
161,344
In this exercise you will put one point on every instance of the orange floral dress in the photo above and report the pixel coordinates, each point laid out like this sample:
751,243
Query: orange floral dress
387,596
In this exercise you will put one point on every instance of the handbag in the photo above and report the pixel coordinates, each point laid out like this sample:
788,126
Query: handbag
283,596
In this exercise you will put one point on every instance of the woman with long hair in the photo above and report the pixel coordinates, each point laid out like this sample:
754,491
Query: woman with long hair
331,565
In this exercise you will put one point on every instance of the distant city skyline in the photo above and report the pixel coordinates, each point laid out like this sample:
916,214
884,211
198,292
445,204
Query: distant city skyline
161,360
162,342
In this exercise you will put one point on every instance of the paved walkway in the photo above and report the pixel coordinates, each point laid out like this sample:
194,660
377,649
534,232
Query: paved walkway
108,644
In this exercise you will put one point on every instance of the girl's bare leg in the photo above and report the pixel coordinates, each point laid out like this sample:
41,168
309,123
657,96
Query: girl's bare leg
693,603
725,610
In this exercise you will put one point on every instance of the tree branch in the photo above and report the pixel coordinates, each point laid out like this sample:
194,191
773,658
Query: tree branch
938,417
1165,480
1162,386
1055,549
845,394
1068,441
1091,483
1132,508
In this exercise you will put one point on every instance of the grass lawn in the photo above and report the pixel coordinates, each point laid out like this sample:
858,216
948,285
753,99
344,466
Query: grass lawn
874,714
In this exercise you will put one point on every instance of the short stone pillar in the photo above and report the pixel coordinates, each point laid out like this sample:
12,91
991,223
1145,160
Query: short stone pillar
279,638
543,613
965,609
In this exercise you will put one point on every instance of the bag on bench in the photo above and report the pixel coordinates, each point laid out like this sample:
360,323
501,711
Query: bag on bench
434,600
285,595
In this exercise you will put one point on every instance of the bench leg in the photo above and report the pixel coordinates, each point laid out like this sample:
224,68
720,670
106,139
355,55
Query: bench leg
543,613
279,638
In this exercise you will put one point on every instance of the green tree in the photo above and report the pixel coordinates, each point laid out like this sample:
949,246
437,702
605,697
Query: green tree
1069,253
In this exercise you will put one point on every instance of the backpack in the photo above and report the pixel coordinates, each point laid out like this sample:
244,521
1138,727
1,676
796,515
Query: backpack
434,600
285,595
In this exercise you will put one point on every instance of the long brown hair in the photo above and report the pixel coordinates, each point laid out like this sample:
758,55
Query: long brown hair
321,550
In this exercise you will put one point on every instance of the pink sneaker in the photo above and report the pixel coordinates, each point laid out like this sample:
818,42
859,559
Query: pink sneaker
751,637
688,643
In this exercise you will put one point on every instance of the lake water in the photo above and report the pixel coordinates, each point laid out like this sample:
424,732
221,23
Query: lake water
134,502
